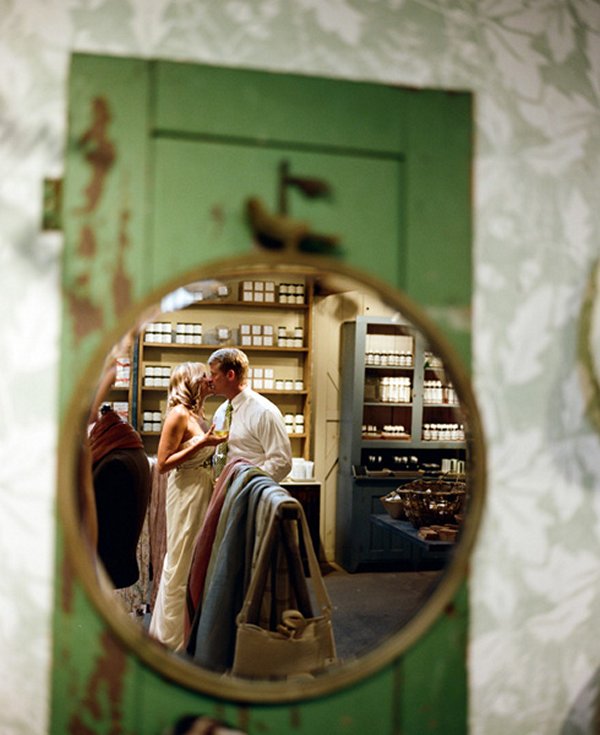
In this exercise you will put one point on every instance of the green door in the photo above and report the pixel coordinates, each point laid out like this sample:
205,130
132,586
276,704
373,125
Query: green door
201,190
161,159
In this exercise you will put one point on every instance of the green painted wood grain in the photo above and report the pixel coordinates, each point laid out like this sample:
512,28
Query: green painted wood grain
105,203
201,190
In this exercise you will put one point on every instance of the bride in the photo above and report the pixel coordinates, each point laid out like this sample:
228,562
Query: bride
185,451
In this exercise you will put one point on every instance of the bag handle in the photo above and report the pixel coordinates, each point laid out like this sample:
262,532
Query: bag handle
262,564
259,575
321,593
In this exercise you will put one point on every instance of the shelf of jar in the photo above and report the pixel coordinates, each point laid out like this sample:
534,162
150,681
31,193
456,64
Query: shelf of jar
210,348
441,405
164,388
387,403
381,437
387,443
247,305
157,433
389,367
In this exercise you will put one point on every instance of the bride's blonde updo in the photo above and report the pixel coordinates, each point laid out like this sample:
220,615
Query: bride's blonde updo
184,386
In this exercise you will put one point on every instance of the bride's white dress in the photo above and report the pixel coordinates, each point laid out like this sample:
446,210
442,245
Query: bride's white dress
189,488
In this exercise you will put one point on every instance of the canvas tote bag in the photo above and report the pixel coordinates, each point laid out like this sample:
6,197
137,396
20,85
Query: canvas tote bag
300,645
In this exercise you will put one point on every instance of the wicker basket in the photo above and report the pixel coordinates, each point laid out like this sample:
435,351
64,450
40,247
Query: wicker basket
395,503
426,509
432,502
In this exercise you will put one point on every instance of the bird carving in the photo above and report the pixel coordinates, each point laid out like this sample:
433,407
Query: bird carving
282,232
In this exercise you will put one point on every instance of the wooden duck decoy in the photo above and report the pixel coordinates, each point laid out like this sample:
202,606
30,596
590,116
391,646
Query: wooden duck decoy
282,232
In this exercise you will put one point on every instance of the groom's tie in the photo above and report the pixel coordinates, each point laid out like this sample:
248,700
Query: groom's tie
221,451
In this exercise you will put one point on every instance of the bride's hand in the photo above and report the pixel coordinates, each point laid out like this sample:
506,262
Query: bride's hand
213,438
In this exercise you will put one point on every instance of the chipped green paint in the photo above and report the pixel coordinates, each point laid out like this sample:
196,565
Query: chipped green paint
121,282
87,242
99,152
103,701
87,316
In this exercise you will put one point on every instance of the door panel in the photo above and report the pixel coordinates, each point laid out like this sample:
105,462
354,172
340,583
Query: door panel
201,189
213,102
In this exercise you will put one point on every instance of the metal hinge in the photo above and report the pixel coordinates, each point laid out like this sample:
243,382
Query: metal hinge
52,206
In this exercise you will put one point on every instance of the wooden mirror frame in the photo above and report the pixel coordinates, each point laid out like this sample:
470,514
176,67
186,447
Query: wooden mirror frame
131,635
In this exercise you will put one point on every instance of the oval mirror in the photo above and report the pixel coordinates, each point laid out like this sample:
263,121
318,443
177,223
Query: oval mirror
388,469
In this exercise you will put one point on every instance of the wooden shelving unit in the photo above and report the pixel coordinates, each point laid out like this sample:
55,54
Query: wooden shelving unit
367,451
218,323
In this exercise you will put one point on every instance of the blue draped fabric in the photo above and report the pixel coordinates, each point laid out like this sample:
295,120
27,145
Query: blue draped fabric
212,643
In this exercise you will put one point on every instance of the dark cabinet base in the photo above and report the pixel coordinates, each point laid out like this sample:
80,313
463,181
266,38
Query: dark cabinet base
422,554
359,542
367,536
308,494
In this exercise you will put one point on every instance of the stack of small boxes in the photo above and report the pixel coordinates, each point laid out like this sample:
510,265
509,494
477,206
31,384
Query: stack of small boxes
158,332
291,293
122,378
261,378
188,334
264,379
123,372
152,421
289,384
156,376
257,335
290,338
294,423
257,292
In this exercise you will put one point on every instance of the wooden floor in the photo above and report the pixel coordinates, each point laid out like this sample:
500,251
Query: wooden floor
370,606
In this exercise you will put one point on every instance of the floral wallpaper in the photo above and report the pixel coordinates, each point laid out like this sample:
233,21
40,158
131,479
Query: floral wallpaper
534,67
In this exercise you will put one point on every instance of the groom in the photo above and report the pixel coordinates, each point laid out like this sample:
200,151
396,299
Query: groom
256,428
